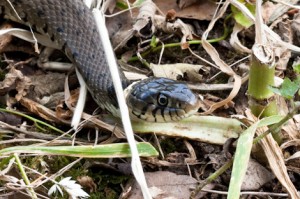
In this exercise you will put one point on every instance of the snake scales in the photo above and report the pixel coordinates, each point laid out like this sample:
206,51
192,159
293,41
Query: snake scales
71,25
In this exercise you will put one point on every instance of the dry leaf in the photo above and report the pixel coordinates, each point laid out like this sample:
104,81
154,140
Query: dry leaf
14,79
10,118
5,39
87,181
164,184
200,10
256,176
172,71
145,19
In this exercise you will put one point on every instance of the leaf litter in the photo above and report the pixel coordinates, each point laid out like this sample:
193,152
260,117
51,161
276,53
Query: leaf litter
172,40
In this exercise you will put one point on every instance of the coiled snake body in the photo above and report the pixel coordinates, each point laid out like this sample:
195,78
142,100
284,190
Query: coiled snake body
71,25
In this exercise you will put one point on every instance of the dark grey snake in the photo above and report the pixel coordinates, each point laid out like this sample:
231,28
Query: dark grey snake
71,25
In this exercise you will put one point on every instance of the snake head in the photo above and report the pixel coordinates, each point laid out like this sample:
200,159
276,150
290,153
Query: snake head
161,100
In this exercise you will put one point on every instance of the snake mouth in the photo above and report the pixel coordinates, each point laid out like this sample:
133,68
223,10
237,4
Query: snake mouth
161,100
157,114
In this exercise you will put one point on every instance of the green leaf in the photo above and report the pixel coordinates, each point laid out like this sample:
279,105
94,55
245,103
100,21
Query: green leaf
99,151
138,2
288,88
241,160
242,155
240,17
121,5
296,68
267,121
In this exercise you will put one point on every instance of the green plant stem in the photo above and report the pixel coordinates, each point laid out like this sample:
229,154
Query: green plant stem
274,128
261,77
212,177
36,121
262,101
24,176
193,42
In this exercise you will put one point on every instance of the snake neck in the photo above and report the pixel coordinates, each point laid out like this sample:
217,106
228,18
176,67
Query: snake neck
107,99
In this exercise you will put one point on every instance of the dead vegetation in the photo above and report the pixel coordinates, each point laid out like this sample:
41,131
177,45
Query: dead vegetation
208,45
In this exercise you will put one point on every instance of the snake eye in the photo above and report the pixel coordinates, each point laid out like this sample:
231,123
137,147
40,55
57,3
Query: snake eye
162,100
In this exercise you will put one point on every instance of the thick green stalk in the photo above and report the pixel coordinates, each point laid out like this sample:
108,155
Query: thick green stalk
261,99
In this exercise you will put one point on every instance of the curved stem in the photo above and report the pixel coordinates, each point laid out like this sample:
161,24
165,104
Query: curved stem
192,42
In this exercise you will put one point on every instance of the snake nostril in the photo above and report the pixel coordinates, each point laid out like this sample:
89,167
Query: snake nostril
178,104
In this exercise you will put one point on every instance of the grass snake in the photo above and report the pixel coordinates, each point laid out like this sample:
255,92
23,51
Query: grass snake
71,25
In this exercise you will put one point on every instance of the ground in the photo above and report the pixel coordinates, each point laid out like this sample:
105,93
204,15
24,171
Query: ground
162,38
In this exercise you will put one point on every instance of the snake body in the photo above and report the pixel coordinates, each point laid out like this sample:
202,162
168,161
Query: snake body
72,26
